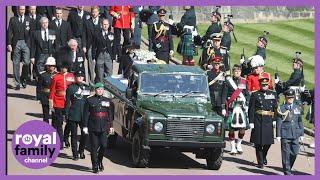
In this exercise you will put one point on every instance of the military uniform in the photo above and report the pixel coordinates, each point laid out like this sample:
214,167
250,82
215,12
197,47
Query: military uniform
217,85
262,52
210,51
289,129
162,39
76,96
253,81
262,111
58,87
97,117
151,20
213,28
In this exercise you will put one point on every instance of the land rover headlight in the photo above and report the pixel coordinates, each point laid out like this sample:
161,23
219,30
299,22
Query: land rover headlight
210,129
158,126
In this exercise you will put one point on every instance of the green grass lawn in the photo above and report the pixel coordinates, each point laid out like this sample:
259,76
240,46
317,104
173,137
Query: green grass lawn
285,38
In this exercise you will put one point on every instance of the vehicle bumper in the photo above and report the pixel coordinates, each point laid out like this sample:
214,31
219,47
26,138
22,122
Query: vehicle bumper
187,144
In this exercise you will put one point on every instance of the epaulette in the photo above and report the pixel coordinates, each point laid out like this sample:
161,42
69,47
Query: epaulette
42,72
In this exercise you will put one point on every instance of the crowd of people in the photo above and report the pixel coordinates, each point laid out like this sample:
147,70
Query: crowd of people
53,53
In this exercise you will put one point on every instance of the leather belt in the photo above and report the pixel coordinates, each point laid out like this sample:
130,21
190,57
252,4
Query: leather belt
99,114
265,113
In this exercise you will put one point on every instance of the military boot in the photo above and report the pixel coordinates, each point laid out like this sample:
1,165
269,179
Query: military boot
239,148
233,148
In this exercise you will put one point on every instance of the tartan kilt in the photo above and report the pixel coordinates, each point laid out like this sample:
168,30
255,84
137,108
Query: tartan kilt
228,121
186,45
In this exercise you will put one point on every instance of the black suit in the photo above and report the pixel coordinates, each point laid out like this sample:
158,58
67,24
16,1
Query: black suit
17,31
47,11
41,50
64,54
63,32
77,25
35,23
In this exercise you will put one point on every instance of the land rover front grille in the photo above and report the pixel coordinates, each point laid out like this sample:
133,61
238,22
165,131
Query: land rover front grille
185,129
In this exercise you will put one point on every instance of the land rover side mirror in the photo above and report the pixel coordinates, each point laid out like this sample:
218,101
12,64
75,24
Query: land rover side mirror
129,93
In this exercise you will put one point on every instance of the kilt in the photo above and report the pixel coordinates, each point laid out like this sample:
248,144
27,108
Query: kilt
186,45
228,122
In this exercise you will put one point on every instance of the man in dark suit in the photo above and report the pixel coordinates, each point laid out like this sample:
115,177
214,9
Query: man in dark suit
76,19
102,51
61,27
18,42
90,27
46,11
44,44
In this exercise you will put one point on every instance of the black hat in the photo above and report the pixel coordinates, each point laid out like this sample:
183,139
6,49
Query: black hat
216,14
229,24
79,73
297,59
289,93
263,38
161,12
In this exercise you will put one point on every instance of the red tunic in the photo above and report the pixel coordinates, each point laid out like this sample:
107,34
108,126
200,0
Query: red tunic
253,82
124,22
58,87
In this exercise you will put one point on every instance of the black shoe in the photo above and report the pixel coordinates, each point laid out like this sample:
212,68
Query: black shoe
265,162
66,143
260,166
82,156
17,88
95,170
101,168
75,158
24,84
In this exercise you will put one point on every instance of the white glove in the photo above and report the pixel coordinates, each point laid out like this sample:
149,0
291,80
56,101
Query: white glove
170,21
224,112
274,123
241,61
84,50
85,130
251,126
278,139
301,138
210,66
171,52
276,80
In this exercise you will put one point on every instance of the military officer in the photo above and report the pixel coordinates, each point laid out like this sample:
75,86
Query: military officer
150,21
257,64
296,77
186,46
162,38
262,111
217,85
97,115
212,49
289,130
215,27
76,96
58,87
237,108
18,43
43,86
262,45
226,43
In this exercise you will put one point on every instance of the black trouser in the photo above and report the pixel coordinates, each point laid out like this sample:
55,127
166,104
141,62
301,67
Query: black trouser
117,40
57,123
261,152
45,110
74,139
289,152
150,29
67,131
97,141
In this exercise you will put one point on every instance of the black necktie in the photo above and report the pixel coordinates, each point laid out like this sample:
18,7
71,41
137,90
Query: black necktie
59,24
20,19
45,35
105,36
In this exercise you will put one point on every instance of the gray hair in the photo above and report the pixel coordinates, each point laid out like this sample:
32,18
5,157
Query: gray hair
71,41
43,19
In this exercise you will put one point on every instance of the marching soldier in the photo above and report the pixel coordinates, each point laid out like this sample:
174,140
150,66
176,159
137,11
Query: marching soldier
91,26
58,87
257,64
76,96
215,27
237,108
61,27
43,86
18,43
226,43
153,18
289,130
188,25
76,18
44,44
212,48
262,45
97,115
102,52
262,111
217,86
162,38
123,21
136,35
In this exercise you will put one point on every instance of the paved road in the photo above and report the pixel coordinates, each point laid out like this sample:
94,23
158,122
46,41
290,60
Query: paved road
22,107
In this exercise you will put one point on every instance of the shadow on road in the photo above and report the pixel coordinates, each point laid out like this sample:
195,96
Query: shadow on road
64,155
294,172
71,166
257,171
22,96
37,115
239,161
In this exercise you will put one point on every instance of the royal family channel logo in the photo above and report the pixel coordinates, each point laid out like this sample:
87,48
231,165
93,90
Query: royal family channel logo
36,144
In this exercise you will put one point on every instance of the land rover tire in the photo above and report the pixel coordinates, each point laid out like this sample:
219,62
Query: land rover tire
214,158
140,156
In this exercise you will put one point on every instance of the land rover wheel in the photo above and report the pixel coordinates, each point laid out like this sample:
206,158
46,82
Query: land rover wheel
214,158
112,141
140,156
